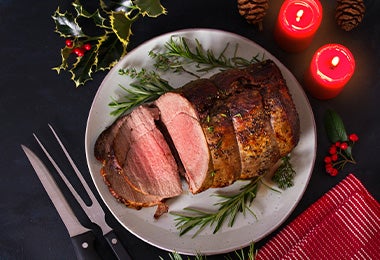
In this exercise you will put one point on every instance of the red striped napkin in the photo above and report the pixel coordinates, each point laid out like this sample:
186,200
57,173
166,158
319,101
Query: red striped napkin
342,224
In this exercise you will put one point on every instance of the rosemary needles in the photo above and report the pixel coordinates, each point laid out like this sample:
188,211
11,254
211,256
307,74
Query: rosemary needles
147,87
229,208
177,56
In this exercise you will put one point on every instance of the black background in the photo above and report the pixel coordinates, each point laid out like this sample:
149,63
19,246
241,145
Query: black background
33,95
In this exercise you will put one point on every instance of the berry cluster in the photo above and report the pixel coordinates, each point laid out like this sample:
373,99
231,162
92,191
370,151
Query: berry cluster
79,50
339,155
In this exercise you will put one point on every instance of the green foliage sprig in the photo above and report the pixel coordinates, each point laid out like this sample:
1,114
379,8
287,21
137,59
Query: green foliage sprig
175,57
113,21
147,87
239,254
284,175
340,150
229,208
178,54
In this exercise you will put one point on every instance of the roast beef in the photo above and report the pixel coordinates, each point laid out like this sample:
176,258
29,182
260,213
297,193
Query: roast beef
138,165
182,122
235,125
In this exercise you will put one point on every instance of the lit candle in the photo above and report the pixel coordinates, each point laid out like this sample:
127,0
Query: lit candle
331,67
297,23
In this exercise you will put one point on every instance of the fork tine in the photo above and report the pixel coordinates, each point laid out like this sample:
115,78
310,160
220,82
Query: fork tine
68,184
76,170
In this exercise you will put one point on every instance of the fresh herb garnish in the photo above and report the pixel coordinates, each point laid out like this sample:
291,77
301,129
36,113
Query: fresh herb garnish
178,54
229,208
240,254
284,175
147,87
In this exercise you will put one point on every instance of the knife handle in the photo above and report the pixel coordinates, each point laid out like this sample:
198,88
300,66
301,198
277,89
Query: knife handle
84,246
117,247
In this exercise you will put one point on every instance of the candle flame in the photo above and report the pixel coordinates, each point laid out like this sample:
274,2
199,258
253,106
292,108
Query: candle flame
335,61
299,15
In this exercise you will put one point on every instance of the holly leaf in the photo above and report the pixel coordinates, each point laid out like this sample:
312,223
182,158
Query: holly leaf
334,127
82,70
98,19
121,25
110,50
66,25
151,8
65,53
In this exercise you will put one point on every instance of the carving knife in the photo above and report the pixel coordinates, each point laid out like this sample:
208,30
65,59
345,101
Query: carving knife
81,237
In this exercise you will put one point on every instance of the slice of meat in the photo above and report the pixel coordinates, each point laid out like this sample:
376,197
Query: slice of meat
257,145
182,122
279,104
123,192
221,138
143,156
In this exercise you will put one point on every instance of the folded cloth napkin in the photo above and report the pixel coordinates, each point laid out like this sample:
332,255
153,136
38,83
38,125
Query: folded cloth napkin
343,224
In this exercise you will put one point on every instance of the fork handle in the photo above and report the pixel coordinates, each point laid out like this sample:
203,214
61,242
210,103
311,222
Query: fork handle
117,247
84,246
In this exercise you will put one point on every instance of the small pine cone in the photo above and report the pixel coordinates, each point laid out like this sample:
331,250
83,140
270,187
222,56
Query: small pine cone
253,10
349,13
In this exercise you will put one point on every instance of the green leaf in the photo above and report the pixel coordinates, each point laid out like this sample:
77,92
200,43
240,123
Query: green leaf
66,25
110,50
151,8
65,54
98,19
82,69
334,127
121,25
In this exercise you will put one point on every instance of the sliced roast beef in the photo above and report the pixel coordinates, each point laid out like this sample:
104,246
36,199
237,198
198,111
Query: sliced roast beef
223,146
183,124
257,145
278,103
144,155
123,192
235,125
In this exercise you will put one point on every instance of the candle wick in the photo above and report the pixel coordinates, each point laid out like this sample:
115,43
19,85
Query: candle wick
299,15
335,61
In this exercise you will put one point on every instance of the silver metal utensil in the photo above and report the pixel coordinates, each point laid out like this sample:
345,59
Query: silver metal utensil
94,211
81,237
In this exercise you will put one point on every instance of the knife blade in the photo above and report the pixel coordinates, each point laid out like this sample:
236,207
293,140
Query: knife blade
82,238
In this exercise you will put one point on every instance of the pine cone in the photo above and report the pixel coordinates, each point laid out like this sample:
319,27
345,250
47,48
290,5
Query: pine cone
253,10
349,13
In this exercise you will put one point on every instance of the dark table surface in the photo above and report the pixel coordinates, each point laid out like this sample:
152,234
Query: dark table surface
33,95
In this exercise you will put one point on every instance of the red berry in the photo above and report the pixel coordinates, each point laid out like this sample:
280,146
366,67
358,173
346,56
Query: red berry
343,146
334,172
337,144
79,52
334,157
328,159
87,46
69,43
353,137
332,150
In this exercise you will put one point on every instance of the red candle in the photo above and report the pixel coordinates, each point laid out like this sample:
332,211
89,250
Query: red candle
331,67
297,23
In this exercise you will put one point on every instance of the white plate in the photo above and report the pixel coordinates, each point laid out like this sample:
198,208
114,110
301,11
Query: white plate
270,207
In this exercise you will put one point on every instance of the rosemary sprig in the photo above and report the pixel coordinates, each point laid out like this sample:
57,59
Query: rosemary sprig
284,175
240,254
177,55
147,87
229,207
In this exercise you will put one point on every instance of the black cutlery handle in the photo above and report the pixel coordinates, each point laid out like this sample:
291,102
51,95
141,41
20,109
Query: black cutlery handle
117,247
84,246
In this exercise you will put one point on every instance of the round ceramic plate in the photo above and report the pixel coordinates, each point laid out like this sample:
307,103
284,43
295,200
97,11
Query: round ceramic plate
271,208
